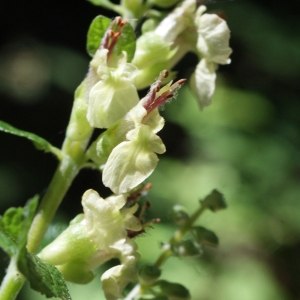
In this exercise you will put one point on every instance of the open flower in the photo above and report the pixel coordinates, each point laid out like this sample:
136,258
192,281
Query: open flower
93,238
190,29
134,158
112,93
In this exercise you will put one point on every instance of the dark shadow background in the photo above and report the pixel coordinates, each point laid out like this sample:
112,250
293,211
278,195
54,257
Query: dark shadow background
43,60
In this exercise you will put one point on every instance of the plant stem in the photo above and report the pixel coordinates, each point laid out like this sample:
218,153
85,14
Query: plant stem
65,173
61,181
178,235
12,282
167,252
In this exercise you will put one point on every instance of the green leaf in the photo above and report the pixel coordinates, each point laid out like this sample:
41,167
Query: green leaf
14,226
39,143
205,236
126,42
43,277
7,242
95,33
174,290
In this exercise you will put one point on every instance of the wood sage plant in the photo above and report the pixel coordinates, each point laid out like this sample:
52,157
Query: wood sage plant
126,153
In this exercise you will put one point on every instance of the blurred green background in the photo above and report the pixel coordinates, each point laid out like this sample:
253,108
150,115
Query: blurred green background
245,144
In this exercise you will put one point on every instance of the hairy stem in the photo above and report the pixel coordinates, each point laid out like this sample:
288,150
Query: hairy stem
65,173
61,181
12,282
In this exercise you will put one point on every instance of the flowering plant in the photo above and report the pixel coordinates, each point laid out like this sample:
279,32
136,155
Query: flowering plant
126,153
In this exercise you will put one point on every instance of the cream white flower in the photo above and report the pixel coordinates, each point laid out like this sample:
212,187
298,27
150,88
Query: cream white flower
135,158
115,279
190,29
203,81
213,37
177,21
213,47
113,93
93,238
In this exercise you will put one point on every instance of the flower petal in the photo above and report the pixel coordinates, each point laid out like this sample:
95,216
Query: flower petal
213,37
131,162
203,82
114,94
115,279
177,21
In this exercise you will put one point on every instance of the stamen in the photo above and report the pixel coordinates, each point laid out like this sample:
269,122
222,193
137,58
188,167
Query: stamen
151,101
112,35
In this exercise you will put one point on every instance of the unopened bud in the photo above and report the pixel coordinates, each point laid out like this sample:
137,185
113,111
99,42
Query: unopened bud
149,274
151,56
79,128
214,201
187,248
179,214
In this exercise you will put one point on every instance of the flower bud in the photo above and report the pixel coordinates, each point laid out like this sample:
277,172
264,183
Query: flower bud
214,201
79,128
101,148
151,56
148,274
149,25
179,214
187,248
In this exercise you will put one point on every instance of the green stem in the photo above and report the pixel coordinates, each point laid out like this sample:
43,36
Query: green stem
59,185
65,173
61,181
12,282
178,235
